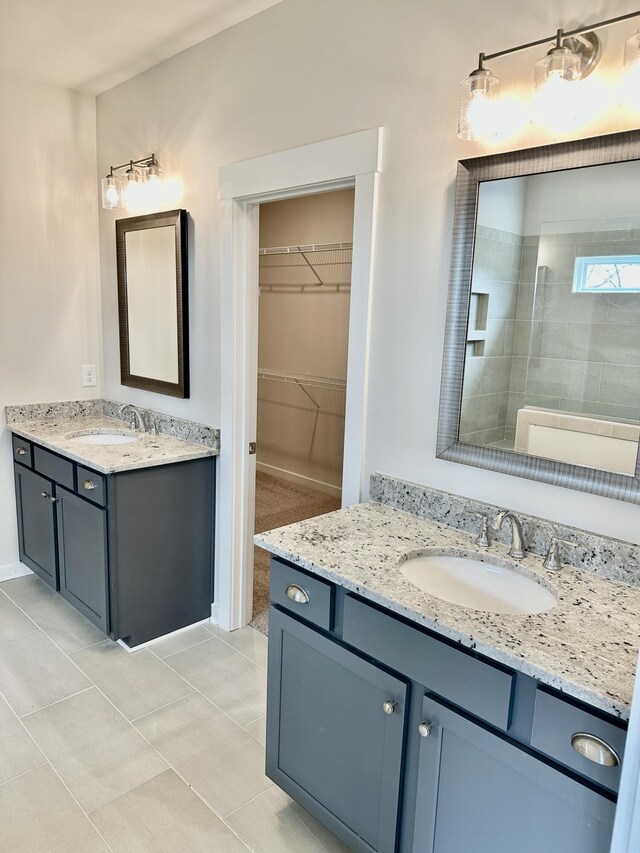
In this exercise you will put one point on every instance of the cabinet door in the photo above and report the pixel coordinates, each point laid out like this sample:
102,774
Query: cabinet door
330,744
479,793
36,524
82,547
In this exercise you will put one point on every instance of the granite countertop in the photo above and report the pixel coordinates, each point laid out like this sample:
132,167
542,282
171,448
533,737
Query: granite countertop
147,451
586,646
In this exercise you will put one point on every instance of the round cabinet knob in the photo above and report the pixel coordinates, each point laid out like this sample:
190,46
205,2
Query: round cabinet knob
388,707
595,749
21,451
297,593
425,729
89,485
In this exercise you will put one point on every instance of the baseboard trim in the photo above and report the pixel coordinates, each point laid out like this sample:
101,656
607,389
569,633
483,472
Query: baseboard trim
300,479
13,570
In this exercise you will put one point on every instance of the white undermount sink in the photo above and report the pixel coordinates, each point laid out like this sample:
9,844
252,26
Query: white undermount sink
104,438
476,584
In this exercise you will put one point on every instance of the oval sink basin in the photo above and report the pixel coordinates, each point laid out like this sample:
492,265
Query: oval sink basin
104,438
476,584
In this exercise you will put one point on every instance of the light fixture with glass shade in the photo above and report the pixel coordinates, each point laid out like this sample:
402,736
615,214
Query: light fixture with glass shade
558,101
476,112
140,186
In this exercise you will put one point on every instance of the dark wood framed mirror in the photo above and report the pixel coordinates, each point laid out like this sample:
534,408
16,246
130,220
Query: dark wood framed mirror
153,304
541,369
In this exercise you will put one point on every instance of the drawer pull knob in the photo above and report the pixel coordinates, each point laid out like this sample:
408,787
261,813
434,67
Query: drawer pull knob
21,451
388,707
297,593
595,749
89,485
425,729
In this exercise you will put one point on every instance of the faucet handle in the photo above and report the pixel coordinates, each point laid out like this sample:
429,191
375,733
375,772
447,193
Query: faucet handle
483,539
552,561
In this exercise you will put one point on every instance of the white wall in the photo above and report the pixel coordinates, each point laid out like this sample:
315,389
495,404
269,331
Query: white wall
304,71
49,275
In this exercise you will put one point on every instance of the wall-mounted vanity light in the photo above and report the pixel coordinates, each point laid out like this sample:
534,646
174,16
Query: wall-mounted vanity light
141,185
573,57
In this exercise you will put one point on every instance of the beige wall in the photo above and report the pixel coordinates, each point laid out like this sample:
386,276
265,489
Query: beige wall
49,274
304,332
303,71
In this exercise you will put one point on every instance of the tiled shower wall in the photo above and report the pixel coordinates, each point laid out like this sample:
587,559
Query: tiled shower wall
546,345
581,353
487,376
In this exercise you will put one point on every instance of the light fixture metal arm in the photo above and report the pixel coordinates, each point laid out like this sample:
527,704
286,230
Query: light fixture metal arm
561,34
143,161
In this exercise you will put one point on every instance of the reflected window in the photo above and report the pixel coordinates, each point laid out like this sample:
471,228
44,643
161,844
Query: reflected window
607,274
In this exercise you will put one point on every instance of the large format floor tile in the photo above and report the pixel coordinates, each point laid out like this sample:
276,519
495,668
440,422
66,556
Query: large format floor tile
39,815
136,682
273,823
247,640
27,589
222,762
34,673
62,623
181,641
258,729
18,753
13,622
98,754
228,678
164,816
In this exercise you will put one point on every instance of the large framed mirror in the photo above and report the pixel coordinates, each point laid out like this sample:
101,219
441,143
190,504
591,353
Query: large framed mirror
541,371
153,302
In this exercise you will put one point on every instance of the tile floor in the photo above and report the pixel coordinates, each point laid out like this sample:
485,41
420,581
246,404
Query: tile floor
155,751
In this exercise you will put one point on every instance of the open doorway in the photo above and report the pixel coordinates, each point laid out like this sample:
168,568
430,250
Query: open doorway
303,334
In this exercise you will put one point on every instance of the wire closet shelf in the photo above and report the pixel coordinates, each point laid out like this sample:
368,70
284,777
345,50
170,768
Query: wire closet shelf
325,265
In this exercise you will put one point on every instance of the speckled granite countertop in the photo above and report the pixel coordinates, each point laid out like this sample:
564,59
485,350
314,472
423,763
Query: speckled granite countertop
147,451
586,646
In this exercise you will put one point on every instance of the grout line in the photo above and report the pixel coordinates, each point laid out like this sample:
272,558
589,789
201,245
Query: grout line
19,636
186,648
57,702
251,722
162,707
252,800
236,649
45,763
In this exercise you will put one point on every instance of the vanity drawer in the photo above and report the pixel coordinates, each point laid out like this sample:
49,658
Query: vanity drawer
52,466
92,486
22,451
556,722
481,688
308,597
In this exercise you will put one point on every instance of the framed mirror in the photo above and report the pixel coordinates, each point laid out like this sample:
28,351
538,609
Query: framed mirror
541,372
153,302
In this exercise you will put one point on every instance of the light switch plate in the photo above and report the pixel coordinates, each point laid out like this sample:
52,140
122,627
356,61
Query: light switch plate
88,375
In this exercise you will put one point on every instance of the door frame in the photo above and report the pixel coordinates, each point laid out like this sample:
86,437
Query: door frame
353,160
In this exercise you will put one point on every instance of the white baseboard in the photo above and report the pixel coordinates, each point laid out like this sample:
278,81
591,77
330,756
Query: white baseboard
13,570
300,479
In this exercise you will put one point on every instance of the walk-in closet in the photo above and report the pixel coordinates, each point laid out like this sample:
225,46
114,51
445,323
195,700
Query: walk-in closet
303,332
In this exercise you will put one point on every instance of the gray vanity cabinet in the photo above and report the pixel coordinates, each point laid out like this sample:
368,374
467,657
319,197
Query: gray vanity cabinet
132,551
82,551
480,793
36,524
331,743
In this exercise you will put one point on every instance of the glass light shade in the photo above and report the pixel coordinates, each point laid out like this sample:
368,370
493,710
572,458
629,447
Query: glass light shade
554,80
476,110
153,190
630,83
131,190
110,193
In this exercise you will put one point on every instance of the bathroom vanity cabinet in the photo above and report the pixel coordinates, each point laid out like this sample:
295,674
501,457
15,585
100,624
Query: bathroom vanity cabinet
397,739
132,551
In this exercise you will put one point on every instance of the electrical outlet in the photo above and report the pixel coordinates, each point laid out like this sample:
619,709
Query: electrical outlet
88,375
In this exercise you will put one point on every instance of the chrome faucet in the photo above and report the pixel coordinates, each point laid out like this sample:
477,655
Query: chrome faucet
136,416
517,550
